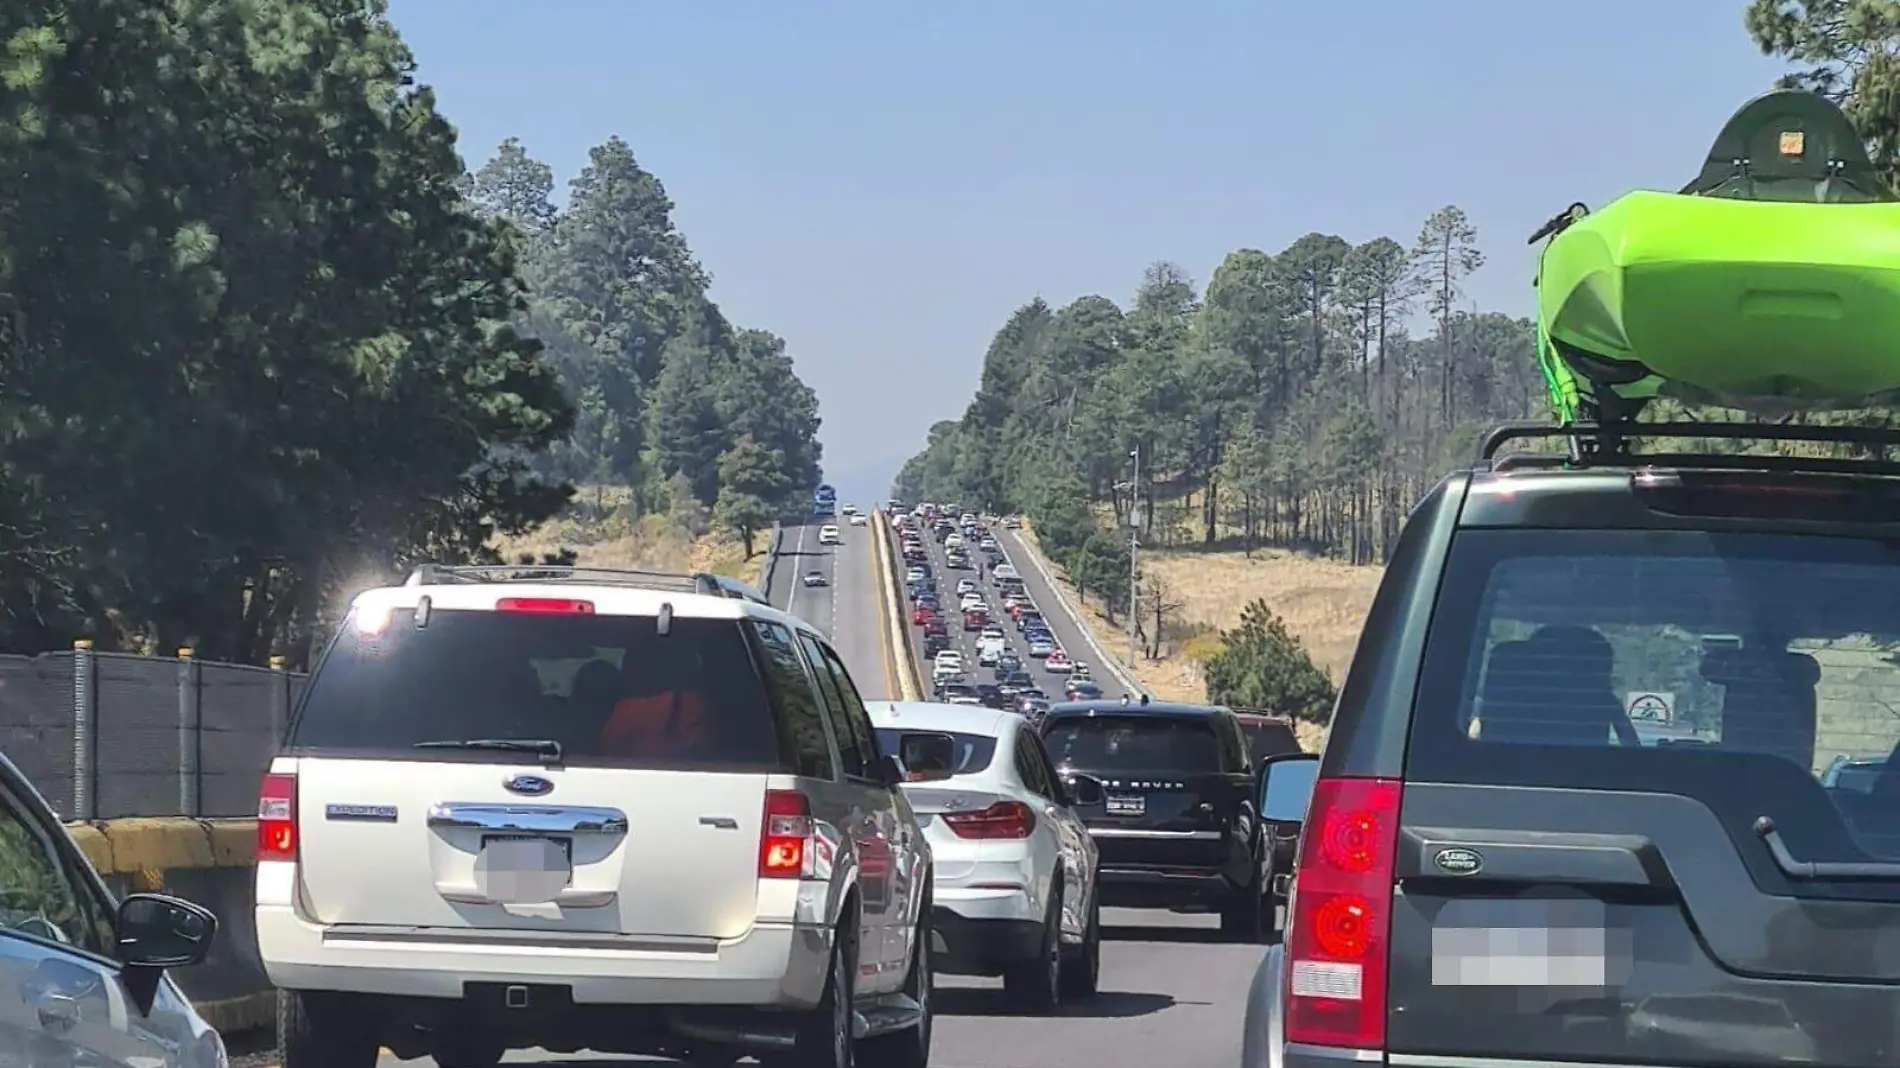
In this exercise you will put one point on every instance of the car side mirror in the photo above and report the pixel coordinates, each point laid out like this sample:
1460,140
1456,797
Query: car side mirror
1286,785
163,932
927,756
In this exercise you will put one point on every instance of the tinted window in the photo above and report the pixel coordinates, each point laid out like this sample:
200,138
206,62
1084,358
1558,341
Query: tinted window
804,718
974,751
43,892
1731,668
610,689
850,754
1133,743
856,715
1029,766
1289,788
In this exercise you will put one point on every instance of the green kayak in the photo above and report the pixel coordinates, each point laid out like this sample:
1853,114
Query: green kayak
1771,283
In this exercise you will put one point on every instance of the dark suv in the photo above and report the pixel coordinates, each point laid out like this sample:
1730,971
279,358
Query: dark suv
1573,810
1168,793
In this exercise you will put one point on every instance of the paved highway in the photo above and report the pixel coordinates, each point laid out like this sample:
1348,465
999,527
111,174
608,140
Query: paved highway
1172,993
1068,635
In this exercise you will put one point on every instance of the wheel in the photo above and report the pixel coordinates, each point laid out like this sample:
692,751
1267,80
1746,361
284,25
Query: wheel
1082,972
315,1029
1036,983
1241,918
909,1048
824,1038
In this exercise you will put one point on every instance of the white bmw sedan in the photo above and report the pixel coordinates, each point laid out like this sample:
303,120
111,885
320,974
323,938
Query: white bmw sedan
1014,891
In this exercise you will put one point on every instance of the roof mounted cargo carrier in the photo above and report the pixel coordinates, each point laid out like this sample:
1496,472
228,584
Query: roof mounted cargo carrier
701,582
1608,444
1770,283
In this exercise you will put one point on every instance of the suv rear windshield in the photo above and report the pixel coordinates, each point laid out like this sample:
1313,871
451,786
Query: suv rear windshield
974,751
1733,668
610,689
1133,743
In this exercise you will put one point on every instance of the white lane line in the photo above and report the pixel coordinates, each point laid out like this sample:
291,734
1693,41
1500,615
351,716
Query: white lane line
798,577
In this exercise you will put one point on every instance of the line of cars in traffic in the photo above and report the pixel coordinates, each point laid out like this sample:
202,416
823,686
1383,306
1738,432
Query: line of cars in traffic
968,549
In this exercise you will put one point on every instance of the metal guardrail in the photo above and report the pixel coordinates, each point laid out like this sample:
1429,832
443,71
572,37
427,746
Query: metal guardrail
104,735
1123,676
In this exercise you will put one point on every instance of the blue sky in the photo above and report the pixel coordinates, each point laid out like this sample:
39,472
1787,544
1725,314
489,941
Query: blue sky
882,183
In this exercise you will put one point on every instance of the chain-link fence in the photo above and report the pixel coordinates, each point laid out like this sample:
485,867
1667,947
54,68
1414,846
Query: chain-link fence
105,735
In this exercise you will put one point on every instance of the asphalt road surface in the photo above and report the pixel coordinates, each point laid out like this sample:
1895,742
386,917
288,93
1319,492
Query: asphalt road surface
1172,993
1068,636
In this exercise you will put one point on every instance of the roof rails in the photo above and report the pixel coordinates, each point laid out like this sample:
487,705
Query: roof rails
702,582
1607,445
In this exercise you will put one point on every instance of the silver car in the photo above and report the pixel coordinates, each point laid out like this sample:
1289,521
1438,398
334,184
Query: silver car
82,976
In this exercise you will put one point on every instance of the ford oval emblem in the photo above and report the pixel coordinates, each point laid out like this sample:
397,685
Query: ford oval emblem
531,785
1459,861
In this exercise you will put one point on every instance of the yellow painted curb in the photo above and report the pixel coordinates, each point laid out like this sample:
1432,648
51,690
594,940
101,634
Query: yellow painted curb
893,602
148,846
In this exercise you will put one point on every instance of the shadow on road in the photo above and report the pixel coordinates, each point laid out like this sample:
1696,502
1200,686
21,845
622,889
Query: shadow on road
1162,933
1107,1005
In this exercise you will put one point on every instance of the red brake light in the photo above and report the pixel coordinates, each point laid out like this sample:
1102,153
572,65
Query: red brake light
547,606
784,838
277,818
1004,819
1340,920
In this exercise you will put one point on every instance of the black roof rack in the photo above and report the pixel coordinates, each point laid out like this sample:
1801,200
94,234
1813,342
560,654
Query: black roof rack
703,582
1607,444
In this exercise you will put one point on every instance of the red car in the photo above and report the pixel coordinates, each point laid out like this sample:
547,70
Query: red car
936,629
974,620
922,616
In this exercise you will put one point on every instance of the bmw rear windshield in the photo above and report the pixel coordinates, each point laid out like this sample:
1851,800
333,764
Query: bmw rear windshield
1737,669
607,689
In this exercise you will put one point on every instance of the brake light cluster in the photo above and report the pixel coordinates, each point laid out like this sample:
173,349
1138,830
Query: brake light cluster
1004,819
545,606
785,836
1340,921
277,818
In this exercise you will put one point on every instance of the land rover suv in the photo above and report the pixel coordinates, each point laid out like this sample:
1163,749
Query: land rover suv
1574,806
588,810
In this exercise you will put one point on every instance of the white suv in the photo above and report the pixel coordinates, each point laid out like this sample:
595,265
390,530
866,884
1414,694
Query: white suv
1015,866
588,810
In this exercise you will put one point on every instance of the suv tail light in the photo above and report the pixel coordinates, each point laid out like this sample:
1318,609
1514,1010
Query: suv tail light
277,818
1004,819
785,836
1340,920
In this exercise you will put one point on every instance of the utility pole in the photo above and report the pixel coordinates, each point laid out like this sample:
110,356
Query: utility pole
1134,544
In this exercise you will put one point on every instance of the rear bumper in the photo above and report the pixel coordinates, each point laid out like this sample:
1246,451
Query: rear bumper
979,945
1138,886
777,965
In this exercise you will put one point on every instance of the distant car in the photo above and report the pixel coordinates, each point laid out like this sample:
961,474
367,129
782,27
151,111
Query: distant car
1041,648
960,693
815,577
1078,690
1057,662
858,519
967,585
828,535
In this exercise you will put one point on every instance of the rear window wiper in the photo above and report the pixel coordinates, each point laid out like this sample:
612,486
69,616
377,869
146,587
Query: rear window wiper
1820,869
547,749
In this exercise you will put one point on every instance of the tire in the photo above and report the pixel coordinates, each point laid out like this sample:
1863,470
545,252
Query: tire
1082,972
1036,984
824,1038
909,1048
1241,918
316,1029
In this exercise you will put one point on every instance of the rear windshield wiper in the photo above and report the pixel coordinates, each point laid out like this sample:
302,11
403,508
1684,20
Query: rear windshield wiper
547,749
1820,869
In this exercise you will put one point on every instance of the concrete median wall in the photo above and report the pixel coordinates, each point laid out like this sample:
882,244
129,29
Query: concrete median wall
211,862
891,602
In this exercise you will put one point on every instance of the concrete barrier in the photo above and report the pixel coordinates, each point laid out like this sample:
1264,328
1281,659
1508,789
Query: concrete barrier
891,600
211,862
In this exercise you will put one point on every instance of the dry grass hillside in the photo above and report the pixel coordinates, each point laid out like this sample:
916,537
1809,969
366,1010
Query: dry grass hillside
1323,603
603,532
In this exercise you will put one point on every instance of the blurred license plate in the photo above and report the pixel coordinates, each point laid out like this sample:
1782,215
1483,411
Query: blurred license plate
528,859
1127,805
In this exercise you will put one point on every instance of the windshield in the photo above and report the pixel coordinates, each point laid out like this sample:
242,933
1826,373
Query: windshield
608,689
1735,669
1118,743
974,751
